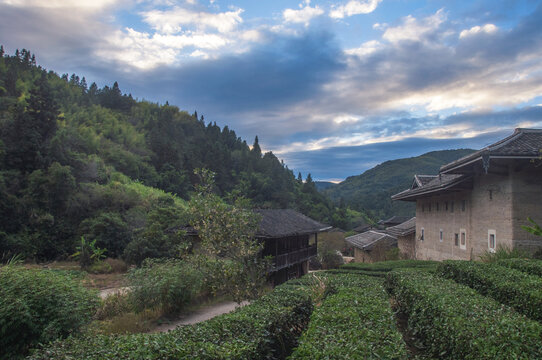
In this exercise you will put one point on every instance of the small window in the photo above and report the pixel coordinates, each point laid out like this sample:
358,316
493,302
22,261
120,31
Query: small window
491,240
446,205
437,206
463,239
490,194
429,207
456,239
463,205
422,236
452,206
441,236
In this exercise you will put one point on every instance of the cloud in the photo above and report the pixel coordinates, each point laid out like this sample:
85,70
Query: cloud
354,8
85,5
172,21
337,163
304,15
367,48
413,29
487,29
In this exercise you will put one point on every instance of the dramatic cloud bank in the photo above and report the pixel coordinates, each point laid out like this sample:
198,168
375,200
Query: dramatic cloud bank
333,87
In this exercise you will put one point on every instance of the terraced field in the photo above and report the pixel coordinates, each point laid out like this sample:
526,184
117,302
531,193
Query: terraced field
389,310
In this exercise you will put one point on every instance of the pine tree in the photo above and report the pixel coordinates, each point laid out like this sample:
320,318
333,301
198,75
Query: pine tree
1,50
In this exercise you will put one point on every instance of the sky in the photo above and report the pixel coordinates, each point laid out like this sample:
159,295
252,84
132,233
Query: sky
332,87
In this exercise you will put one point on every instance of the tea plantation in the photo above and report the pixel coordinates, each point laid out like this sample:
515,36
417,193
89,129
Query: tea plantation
388,310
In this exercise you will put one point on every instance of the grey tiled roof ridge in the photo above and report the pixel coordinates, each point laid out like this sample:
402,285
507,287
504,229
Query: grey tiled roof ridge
518,132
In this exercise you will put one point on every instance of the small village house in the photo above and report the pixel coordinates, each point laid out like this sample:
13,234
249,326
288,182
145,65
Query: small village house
371,246
405,234
291,238
480,202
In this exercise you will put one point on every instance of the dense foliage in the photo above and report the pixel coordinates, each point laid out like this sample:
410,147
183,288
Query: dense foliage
371,191
354,323
508,286
268,328
168,285
456,322
529,266
38,306
77,160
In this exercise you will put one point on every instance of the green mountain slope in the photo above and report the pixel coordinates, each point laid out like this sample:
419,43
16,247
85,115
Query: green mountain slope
77,160
371,191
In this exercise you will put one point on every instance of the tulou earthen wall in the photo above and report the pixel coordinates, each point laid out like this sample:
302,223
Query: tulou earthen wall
498,204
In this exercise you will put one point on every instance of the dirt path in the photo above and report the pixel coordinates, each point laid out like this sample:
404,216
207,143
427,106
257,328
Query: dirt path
111,291
202,314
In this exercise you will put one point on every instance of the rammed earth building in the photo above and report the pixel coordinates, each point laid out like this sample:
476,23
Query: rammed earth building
480,202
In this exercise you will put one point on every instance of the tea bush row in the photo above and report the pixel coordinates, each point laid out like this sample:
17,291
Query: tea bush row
357,322
266,329
37,306
529,266
456,322
386,266
512,287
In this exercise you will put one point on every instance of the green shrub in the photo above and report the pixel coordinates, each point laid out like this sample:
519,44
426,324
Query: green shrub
533,267
503,252
268,328
355,323
164,284
456,322
100,267
37,306
512,287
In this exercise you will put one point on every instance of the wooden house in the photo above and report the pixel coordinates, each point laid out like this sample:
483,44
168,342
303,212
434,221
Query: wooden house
291,238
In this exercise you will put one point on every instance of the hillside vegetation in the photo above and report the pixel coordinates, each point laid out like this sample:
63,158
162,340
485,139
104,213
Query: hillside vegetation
77,160
370,192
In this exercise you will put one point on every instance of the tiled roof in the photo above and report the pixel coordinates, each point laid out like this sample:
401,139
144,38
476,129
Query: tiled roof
421,180
368,240
286,222
440,182
406,228
395,220
522,143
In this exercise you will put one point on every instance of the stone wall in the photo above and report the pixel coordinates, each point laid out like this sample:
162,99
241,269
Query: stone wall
406,246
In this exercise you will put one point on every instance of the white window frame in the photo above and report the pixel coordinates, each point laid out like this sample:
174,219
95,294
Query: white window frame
461,232
494,233
441,235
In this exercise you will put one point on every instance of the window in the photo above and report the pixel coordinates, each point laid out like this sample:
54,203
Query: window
491,240
446,205
452,206
422,236
437,206
463,239
463,205
429,207
441,235
456,239
490,194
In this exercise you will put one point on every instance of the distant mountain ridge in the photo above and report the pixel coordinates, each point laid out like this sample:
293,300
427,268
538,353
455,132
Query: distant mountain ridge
371,191
324,185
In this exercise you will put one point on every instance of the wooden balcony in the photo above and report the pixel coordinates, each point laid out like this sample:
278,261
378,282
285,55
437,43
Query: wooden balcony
294,257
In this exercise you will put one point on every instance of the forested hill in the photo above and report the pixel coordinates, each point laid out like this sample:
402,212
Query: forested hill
371,191
78,160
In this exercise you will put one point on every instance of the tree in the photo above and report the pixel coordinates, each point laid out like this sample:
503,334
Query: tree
228,237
